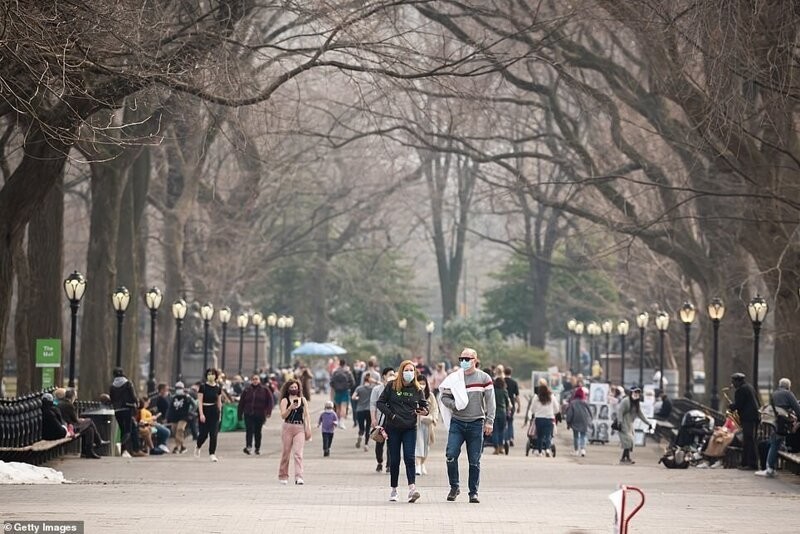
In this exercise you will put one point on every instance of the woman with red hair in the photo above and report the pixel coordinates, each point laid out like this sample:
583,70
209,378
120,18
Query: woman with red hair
579,418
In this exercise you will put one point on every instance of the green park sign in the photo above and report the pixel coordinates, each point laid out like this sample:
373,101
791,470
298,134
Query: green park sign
48,353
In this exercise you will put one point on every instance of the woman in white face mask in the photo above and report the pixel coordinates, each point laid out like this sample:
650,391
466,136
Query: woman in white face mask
402,401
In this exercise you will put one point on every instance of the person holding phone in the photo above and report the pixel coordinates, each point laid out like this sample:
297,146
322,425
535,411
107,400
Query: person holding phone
401,402
296,430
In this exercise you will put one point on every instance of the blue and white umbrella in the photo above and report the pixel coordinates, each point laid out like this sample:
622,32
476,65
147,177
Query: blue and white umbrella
312,348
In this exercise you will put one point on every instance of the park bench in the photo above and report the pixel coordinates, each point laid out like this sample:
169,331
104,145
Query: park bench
21,432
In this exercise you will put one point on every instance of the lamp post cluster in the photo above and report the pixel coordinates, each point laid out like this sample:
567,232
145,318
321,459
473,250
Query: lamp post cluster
757,310
75,287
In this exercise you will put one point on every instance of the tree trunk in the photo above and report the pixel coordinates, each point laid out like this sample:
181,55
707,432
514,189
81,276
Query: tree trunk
25,369
127,276
99,321
23,193
46,266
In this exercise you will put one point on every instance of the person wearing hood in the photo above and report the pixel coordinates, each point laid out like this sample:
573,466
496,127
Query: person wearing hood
125,403
629,410
255,407
579,419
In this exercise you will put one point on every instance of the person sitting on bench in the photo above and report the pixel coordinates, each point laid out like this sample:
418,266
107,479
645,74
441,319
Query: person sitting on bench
90,437
53,425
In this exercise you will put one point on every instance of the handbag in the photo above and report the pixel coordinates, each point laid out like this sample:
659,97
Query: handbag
615,425
378,434
783,422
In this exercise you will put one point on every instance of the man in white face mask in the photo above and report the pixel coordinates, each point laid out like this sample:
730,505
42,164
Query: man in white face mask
469,424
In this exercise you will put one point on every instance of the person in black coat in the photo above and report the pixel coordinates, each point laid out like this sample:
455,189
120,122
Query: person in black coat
53,425
745,401
125,403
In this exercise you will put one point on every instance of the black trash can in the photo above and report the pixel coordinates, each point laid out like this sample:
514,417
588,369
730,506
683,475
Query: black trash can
106,425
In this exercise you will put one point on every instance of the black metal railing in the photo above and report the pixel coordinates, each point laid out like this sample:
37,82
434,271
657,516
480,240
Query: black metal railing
21,420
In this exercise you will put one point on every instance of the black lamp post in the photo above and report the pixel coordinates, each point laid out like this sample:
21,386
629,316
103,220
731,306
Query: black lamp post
570,341
74,287
716,310
757,310
120,298
287,347
224,317
622,330
641,322
429,328
402,324
272,320
241,322
206,313
257,320
687,314
607,327
662,323
178,312
152,300
578,333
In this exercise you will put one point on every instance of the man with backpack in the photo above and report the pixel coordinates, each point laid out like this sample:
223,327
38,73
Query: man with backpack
784,399
342,381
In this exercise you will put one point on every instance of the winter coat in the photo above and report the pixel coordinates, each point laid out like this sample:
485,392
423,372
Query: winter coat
399,407
626,415
256,400
122,394
578,415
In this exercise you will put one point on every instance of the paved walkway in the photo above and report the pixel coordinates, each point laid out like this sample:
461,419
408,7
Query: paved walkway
344,494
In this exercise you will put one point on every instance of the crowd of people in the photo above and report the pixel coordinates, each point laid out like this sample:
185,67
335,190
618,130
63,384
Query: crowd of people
394,410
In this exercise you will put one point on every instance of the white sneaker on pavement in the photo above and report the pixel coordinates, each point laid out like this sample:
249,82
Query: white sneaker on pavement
283,481
393,495
197,451
299,481
164,448
214,458
583,452
126,454
765,473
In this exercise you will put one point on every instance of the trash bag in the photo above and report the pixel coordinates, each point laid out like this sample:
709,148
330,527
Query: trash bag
230,421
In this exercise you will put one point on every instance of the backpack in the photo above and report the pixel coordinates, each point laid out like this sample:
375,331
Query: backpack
340,381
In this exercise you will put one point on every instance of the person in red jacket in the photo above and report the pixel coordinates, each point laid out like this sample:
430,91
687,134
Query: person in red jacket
255,405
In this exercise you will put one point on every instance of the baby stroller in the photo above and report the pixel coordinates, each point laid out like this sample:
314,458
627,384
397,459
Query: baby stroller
531,443
693,434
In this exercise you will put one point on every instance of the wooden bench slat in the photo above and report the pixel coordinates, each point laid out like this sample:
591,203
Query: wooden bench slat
41,445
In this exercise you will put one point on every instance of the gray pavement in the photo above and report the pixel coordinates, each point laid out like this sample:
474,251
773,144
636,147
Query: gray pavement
343,493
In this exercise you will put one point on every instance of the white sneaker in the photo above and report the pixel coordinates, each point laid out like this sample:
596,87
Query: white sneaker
716,465
413,495
214,458
769,473
424,471
583,452
366,448
164,448
393,495
418,471
299,481
547,453
126,454
283,481
197,452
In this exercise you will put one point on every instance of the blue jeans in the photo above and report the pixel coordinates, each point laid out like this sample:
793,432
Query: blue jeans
775,442
544,433
472,433
162,434
499,431
578,440
407,439
509,427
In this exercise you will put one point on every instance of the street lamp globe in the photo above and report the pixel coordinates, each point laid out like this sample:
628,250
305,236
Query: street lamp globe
75,286
622,327
272,319
242,320
289,321
207,311
402,324
152,298
281,322
662,321
258,319
179,309
571,325
757,309
430,327
716,309
579,328
120,299
224,315
607,326
642,319
687,313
